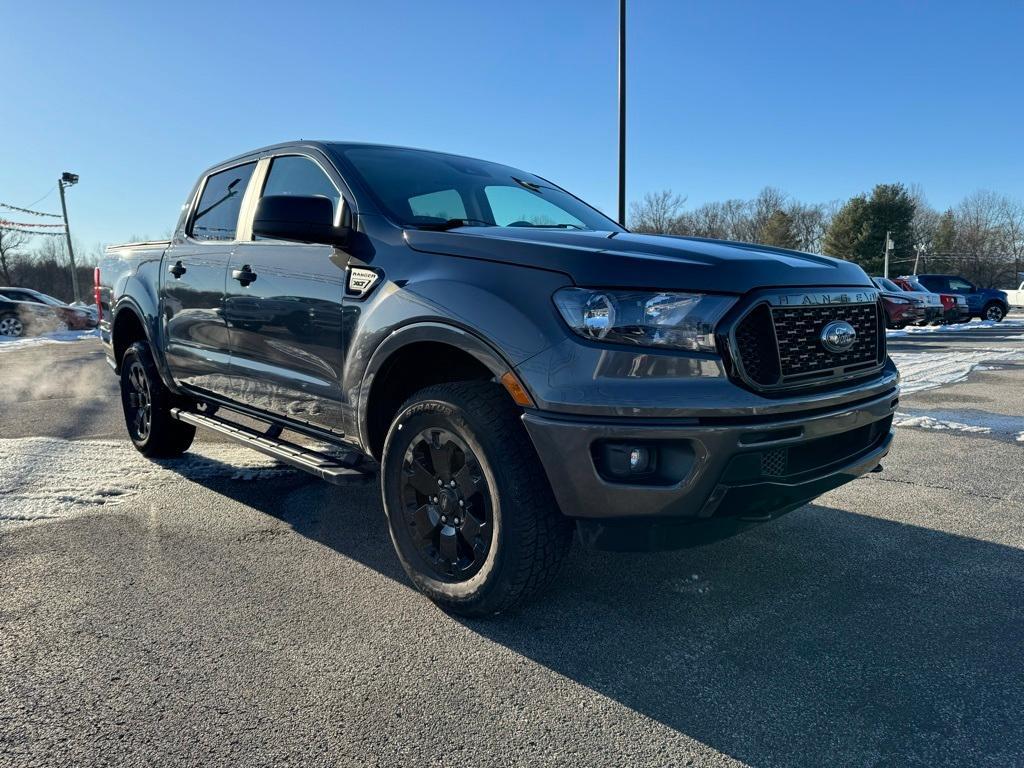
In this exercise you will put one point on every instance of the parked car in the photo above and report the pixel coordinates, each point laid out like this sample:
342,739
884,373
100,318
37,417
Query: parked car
74,318
985,303
903,308
23,318
935,308
516,364
1015,297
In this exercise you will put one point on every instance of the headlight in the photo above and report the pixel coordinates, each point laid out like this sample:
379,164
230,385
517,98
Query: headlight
675,320
897,300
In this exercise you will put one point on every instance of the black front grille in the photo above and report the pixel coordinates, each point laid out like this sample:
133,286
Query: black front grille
781,346
798,330
756,344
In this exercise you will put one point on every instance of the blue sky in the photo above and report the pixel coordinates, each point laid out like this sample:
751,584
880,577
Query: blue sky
821,99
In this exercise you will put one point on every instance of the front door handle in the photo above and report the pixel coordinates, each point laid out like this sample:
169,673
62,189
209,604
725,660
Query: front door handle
244,275
177,270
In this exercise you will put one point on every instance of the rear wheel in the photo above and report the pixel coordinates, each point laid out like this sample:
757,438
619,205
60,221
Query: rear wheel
994,312
147,407
470,511
11,325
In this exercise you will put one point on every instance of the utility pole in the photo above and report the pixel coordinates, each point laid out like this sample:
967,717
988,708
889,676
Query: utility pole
622,112
919,248
888,250
66,180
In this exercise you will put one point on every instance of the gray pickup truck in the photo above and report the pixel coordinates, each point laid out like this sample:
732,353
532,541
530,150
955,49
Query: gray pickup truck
513,364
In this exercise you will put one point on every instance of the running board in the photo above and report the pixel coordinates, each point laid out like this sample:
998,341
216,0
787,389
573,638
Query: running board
352,468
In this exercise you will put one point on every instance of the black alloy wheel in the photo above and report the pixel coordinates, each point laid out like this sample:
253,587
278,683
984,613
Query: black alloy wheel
446,504
138,403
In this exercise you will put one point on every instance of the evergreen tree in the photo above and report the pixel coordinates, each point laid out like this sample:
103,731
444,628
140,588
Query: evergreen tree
848,228
779,230
858,231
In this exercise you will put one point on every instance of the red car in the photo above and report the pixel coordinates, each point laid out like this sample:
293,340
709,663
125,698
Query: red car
901,312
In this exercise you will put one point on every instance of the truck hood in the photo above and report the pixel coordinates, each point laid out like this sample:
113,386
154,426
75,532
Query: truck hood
627,260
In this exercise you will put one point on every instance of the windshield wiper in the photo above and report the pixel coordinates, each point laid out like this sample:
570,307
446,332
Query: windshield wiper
444,226
557,226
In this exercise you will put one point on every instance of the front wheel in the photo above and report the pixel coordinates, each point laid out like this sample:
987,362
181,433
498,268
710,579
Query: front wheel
993,312
469,508
147,407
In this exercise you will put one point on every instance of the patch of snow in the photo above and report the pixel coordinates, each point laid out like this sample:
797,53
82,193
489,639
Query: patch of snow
974,325
1020,437
44,478
929,422
928,370
960,420
57,337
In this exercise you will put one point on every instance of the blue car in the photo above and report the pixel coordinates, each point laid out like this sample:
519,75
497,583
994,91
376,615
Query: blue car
986,303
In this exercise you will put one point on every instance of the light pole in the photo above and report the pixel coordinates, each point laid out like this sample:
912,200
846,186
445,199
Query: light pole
622,112
67,180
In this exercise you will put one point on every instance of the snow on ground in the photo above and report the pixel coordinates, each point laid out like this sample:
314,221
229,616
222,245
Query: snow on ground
966,420
958,327
927,370
57,337
43,478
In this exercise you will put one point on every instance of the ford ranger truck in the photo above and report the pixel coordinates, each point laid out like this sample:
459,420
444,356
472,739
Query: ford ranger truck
512,364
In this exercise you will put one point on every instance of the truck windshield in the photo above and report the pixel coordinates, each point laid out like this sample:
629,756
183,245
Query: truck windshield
431,189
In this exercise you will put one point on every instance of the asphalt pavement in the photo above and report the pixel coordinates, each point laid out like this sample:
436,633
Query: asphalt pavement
189,613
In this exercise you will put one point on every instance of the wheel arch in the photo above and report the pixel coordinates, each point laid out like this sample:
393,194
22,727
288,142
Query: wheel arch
441,353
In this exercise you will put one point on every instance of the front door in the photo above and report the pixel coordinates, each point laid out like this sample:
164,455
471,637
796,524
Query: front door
283,311
192,296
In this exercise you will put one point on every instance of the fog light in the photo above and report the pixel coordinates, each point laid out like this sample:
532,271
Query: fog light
625,461
638,459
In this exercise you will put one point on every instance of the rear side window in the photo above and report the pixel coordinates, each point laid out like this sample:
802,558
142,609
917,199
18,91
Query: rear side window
960,286
216,216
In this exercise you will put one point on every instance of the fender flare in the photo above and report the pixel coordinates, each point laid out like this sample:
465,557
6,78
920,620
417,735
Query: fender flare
445,333
128,304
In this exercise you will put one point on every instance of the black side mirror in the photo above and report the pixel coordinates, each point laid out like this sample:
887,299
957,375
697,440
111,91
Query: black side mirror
303,219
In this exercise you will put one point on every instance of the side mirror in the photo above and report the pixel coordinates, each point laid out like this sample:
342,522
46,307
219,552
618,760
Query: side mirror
303,219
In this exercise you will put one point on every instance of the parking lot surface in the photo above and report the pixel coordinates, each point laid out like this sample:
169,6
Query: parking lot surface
222,610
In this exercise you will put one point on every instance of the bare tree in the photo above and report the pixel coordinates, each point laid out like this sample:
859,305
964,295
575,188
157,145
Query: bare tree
12,246
657,213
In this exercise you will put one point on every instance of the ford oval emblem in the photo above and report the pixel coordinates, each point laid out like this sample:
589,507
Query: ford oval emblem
838,336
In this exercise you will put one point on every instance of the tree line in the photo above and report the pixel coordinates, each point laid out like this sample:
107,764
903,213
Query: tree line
981,238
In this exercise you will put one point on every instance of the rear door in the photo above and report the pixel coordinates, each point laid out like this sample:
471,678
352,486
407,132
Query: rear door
284,307
192,297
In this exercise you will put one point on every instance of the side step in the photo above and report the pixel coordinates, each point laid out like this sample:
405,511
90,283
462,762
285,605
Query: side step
352,468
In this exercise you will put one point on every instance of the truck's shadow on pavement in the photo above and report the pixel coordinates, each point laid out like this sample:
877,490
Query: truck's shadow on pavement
826,638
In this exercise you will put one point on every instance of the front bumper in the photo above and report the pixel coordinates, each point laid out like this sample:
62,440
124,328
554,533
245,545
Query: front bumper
724,473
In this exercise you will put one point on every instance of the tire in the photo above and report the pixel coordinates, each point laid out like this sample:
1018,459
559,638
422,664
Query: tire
993,311
11,325
509,538
147,407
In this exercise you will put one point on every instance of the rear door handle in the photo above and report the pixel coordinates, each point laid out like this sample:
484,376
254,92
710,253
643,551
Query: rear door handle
244,275
177,270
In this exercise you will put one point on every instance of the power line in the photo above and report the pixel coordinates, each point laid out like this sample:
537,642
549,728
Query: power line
36,202
19,209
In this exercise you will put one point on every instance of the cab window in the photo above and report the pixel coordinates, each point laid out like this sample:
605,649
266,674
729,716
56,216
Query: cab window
216,216
298,175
